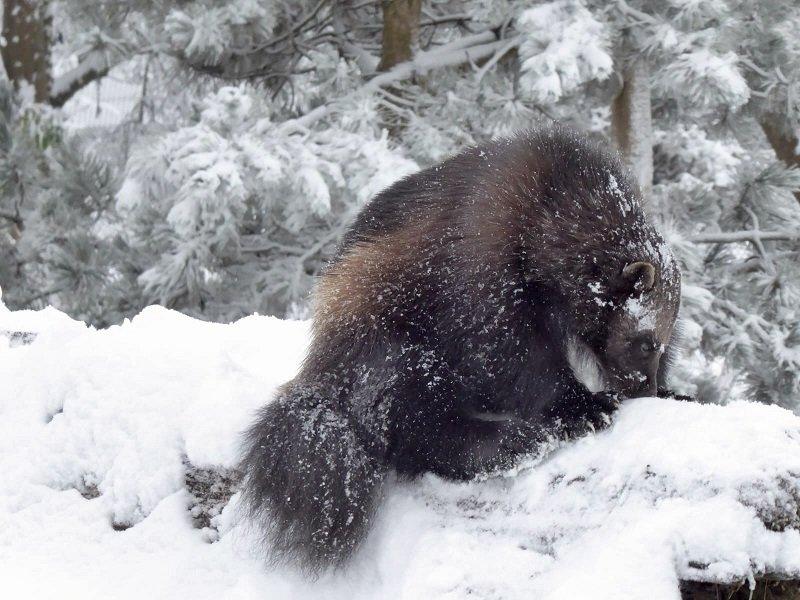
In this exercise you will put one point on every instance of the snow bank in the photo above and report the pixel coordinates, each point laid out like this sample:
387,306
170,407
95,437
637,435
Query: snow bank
98,428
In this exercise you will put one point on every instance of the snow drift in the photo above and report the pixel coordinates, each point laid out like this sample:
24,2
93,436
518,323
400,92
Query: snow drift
104,436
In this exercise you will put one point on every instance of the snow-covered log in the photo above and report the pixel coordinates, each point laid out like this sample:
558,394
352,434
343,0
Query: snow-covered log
110,441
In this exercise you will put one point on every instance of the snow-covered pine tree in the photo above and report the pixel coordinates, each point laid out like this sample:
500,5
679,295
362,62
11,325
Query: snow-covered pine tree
58,235
719,73
237,213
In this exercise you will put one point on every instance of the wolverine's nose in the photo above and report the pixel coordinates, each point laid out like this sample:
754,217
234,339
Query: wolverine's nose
633,383
647,388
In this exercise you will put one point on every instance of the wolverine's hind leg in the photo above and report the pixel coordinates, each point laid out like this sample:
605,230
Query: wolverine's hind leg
467,445
431,431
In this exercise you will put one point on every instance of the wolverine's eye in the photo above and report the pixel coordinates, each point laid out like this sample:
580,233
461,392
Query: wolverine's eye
647,347
644,345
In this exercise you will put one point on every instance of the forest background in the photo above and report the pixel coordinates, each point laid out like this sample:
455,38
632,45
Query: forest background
207,156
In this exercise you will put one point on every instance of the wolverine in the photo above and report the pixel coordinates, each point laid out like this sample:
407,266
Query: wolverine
474,310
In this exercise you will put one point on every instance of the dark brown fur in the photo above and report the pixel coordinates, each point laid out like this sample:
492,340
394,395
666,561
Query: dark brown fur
443,330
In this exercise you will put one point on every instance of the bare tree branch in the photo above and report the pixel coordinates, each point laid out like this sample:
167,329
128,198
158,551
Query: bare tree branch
499,53
43,294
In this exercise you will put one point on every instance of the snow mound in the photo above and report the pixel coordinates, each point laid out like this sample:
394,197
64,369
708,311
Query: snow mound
109,441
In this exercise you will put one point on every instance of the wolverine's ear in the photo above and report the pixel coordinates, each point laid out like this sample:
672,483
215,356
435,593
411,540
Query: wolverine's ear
638,277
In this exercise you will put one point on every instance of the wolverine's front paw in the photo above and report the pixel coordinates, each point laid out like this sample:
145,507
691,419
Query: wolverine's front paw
665,393
604,405
596,414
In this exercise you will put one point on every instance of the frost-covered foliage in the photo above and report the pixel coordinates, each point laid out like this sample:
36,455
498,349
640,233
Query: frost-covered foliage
58,238
256,128
209,34
226,205
135,428
563,46
749,292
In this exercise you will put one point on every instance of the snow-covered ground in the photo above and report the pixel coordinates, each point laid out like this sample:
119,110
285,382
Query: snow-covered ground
97,429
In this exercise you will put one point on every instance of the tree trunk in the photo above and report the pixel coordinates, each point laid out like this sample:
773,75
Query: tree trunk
631,125
400,30
783,142
26,55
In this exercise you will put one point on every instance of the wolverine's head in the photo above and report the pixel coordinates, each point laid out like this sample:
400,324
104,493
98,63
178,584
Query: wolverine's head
625,349
640,329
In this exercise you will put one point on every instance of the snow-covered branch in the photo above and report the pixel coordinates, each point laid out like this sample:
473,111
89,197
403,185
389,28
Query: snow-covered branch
638,16
756,323
442,19
469,49
9,217
733,237
436,59
93,66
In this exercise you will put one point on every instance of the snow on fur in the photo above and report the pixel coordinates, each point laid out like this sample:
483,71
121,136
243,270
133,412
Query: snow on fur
97,429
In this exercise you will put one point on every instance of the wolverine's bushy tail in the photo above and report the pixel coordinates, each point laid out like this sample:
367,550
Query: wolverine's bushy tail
309,483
